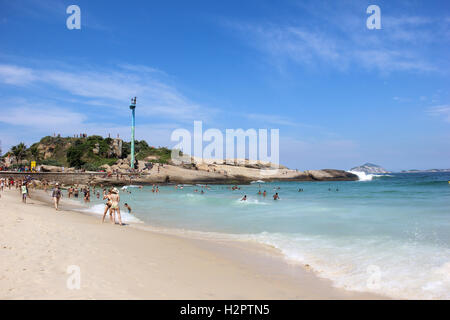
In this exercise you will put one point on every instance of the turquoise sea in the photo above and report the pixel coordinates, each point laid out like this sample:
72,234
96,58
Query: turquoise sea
388,234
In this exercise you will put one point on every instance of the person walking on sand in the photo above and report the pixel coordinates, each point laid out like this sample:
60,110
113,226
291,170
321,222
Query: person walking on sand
108,207
115,208
24,192
56,195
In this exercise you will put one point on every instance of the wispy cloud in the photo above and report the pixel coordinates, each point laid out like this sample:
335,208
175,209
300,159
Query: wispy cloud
440,111
15,75
113,88
342,41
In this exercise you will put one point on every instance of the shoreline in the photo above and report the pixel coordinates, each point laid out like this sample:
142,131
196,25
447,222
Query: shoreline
143,263
170,174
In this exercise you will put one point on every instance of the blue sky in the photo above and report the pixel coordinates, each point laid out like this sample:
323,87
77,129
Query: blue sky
340,94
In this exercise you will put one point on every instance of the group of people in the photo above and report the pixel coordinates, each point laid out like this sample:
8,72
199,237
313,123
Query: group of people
112,196
264,194
112,205
10,183
21,185
86,191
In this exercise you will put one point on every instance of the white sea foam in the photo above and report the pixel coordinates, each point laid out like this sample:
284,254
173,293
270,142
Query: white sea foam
362,176
98,209
258,181
376,265
250,202
130,186
404,271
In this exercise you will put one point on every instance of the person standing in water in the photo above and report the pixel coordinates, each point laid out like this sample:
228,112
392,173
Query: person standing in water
56,195
126,205
264,193
115,199
276,196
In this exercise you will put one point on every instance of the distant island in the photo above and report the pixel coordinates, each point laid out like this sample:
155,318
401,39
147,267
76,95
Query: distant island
370,168
429,170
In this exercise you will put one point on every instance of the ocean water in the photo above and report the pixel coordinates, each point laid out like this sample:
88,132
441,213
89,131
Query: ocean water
387,234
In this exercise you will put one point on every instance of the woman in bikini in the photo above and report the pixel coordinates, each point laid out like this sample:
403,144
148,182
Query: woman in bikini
108,207
115,199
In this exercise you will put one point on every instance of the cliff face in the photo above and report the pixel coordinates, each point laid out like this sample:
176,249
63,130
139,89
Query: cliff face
370,168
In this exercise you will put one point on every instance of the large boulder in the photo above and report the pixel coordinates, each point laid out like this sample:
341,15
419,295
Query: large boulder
330,174
45,168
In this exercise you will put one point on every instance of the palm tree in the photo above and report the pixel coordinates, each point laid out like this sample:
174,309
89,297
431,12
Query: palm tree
34,152
19,151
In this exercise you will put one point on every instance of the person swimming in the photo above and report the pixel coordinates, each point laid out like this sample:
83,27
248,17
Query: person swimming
244,198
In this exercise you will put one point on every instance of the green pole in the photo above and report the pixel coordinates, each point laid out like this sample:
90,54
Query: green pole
133,124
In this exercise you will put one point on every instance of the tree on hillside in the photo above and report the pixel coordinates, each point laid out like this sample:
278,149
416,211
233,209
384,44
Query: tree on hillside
19,151
74,155
34,152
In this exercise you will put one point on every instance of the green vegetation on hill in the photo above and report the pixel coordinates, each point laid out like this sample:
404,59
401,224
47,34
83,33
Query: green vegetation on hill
89,153
143,150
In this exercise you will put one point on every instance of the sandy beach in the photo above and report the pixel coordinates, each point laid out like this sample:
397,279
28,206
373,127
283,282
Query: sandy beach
38,244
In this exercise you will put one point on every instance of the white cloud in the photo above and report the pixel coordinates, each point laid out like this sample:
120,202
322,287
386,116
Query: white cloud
40,116
15,75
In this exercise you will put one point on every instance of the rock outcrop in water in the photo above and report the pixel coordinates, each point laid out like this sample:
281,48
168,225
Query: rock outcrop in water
370,168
